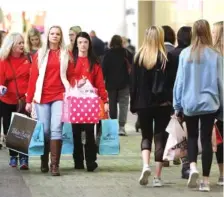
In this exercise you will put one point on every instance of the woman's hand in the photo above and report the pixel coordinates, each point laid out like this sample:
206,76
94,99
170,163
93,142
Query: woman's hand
3,90
106,108
178,115
29,107
81,82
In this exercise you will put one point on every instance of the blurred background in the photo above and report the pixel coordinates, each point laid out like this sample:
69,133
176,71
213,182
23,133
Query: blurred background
128,18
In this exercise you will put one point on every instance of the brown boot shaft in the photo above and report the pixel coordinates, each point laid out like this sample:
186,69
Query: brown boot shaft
55,156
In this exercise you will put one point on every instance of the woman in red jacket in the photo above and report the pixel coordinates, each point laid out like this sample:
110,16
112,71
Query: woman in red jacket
13,64
87,68
50,75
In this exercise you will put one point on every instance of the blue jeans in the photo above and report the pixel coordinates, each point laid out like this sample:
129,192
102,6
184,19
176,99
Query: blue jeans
50,115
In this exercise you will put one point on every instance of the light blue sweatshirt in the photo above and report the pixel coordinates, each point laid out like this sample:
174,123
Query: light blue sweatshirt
198,88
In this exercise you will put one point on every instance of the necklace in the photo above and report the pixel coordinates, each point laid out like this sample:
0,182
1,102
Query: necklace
82,62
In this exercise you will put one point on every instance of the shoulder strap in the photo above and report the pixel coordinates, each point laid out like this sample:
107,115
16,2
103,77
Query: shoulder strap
29,58
14,77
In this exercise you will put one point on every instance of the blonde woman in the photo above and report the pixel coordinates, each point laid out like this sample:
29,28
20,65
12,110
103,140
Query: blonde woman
150,103
33,44
218,45
50,75
73,31
197,94
33,40
13,65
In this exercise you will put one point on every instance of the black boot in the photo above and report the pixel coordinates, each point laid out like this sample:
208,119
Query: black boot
78,155
91,166
90,155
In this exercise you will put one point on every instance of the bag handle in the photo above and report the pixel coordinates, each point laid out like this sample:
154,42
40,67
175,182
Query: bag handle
14,78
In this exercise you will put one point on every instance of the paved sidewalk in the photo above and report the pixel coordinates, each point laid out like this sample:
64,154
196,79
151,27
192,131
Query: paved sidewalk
116,176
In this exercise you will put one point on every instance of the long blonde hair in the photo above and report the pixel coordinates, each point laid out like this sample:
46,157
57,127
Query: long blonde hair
218,39
201,38
45,46
33,32
153,45
8,43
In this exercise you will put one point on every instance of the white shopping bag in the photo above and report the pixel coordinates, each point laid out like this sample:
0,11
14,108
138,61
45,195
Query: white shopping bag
176,145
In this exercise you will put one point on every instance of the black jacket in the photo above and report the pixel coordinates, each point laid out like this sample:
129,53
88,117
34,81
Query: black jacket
142,83
173,57
98,46
115,68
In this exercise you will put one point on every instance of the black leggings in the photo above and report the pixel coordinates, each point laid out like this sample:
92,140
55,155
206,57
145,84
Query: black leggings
160,116
207,123
219,153
6,113
90,145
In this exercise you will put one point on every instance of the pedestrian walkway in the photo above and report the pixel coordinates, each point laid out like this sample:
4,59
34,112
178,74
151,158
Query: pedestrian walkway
116,176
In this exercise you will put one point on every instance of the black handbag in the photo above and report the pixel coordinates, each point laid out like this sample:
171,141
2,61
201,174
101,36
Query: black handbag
159,80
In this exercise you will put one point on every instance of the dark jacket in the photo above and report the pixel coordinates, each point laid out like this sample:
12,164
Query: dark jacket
173,57
98,46
115,68
141,87
169,47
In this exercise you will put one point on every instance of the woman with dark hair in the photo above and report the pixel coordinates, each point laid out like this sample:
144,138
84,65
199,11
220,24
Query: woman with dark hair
87,67
169,42
115,68
183,40
169,38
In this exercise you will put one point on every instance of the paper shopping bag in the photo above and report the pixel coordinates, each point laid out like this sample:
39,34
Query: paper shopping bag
67,139
176,145
20,133
109,143
36,146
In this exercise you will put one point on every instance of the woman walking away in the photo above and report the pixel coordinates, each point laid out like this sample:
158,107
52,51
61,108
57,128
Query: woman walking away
153,104
183,40
50,75
14,78
115,68
197,93
218,45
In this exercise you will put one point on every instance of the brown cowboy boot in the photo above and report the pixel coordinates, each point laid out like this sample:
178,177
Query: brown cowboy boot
55,156
45,158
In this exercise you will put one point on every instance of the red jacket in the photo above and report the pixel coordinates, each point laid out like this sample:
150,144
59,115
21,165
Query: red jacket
21,66
95,76
53,88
